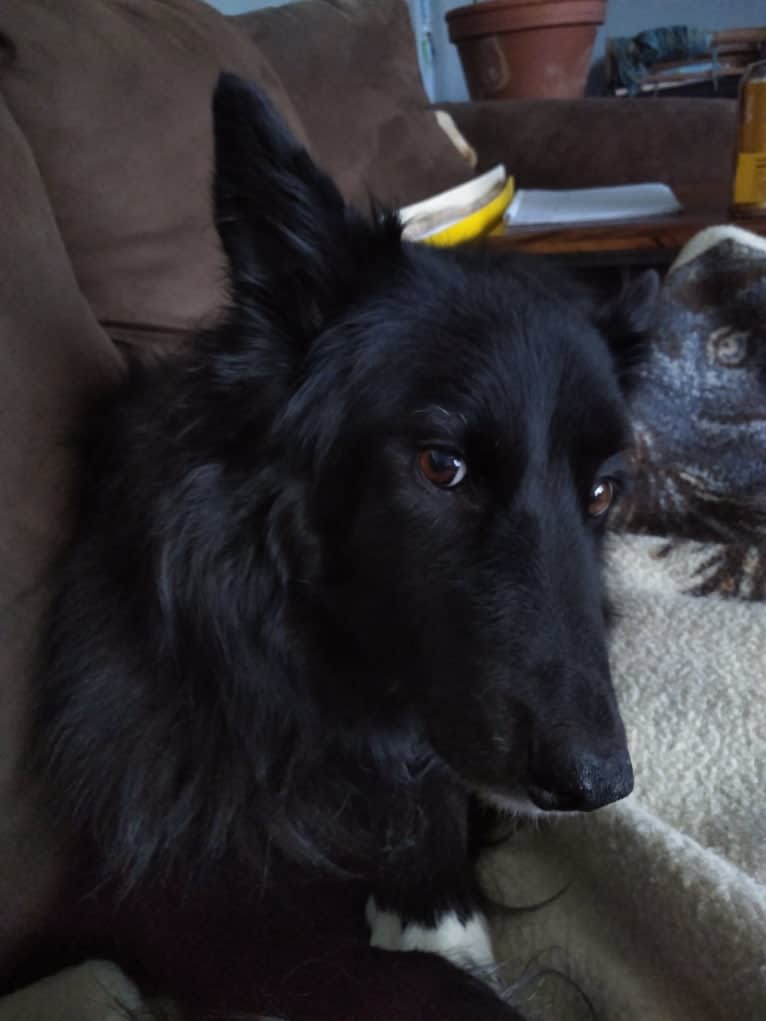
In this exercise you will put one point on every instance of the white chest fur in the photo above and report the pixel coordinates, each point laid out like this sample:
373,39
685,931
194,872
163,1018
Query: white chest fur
467,944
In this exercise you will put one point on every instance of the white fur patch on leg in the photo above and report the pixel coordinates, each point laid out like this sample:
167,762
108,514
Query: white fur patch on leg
466,944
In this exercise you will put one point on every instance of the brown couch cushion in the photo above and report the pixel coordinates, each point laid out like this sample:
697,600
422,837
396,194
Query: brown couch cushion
351,68
52,354
114,97
587,143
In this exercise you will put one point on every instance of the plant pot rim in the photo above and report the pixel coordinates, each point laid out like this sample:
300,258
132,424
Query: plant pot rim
491,16
492,5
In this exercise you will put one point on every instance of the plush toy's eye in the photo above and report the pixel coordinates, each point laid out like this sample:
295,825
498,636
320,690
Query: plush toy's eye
442,468
601,497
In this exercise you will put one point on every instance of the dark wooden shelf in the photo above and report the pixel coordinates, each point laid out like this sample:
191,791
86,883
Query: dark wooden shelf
656,239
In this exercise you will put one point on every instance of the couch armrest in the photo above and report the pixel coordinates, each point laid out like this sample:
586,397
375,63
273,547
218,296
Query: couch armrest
687,143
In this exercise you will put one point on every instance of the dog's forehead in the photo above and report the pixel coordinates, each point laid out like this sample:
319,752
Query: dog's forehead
496,351
498,345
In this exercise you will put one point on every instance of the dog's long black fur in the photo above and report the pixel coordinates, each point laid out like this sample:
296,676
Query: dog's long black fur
286,650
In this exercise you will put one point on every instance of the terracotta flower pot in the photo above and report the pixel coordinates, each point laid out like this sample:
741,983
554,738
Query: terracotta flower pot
531,48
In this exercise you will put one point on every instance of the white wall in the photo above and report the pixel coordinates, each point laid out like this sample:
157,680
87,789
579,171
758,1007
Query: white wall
623,17
444,78
447,80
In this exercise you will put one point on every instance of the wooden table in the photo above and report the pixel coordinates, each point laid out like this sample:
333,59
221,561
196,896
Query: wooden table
655,240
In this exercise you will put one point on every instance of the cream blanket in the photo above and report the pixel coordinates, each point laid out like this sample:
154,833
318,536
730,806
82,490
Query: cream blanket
663,914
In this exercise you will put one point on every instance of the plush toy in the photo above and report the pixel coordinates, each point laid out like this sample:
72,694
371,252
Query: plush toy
699,410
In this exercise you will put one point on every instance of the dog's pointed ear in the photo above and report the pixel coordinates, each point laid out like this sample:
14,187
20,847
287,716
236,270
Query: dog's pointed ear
627,322
286,230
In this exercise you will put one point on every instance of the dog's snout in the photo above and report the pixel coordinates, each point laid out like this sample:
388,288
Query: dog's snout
581,783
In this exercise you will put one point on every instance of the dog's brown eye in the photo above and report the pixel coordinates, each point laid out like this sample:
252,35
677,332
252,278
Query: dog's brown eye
442,468
601,497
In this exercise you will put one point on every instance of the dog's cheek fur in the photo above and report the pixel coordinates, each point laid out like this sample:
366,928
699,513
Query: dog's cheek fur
178,651
404,594
159,603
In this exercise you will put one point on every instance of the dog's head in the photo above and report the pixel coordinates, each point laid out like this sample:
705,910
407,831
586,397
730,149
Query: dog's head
455,427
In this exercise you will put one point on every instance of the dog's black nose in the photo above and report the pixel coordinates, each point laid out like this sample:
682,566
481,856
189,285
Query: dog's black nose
587,782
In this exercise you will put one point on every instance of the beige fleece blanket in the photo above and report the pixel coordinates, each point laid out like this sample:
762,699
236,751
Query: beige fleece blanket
663,914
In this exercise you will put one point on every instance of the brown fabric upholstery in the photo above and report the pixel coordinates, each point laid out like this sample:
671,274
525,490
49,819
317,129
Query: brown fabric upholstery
52,355
114,98
351,68
583,143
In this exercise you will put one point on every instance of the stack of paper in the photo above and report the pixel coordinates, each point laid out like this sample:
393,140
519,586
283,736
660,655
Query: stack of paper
623,202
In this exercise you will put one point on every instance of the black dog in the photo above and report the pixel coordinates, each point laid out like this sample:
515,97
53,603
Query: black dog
337,573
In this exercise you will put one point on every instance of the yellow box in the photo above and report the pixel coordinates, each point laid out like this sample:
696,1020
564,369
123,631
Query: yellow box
750,180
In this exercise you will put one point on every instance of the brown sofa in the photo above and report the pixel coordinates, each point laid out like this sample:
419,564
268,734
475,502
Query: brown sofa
106,245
